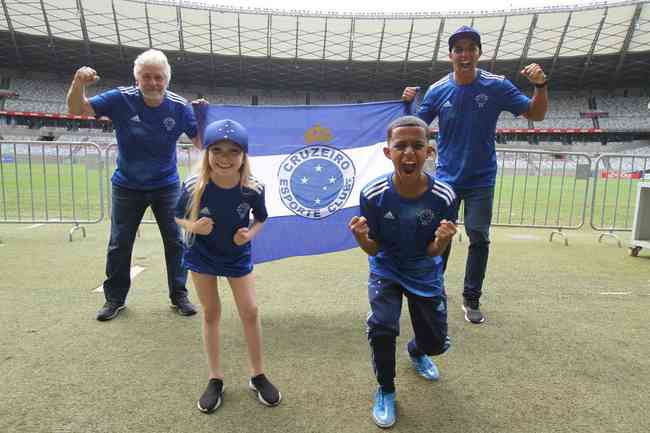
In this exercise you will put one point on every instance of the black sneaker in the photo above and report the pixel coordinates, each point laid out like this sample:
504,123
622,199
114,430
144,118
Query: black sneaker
473,311
109,311
267,394
212,396
184,307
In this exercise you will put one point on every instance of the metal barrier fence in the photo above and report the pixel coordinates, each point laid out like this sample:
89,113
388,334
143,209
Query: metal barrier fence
51,182
540,189
615,187
57,182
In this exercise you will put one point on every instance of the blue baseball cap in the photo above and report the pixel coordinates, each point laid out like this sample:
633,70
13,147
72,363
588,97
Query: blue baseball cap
465,32
225,129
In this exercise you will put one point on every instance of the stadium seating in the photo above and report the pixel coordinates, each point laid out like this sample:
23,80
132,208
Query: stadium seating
45,93
506,120
564,112
624,112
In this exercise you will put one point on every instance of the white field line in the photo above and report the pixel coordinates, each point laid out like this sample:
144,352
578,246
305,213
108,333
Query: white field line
135,270
33,226
615,293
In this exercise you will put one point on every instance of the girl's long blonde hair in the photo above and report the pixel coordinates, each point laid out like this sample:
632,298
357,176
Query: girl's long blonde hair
202,172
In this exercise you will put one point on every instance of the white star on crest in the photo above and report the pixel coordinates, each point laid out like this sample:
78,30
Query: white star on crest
332,179
324,188
319,168
317,201
304,180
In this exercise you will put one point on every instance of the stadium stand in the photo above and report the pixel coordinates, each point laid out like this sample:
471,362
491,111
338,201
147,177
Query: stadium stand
506,120
47,94
640,151
589,74
564,112
624,113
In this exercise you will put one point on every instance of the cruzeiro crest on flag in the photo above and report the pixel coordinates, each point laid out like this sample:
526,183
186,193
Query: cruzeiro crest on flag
316,181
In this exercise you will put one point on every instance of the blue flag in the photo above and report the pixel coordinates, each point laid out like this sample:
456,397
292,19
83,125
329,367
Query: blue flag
313,161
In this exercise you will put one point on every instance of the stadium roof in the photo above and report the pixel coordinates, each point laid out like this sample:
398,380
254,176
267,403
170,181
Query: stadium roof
596,46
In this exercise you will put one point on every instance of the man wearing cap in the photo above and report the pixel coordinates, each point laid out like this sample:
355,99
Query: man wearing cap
468,102
148,119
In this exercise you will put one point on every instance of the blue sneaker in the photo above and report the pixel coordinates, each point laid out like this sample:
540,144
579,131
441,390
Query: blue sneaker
425,367
383,409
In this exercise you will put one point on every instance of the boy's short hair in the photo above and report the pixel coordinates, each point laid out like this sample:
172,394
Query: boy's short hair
407,121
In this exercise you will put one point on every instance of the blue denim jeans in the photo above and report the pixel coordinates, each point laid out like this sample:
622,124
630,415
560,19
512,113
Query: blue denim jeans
477,218
127,209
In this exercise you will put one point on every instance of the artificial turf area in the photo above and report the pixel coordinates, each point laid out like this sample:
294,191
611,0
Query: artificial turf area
566,347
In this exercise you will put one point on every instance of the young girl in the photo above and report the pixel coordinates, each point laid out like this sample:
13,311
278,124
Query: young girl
214,209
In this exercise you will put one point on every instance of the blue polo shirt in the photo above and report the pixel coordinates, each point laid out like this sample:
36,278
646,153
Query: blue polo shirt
146,136
403,228
216,253
467,119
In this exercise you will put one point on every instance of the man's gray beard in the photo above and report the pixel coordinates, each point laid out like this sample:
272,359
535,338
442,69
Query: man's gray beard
153,95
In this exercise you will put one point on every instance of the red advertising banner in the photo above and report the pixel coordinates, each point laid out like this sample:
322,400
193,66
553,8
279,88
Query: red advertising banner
609,174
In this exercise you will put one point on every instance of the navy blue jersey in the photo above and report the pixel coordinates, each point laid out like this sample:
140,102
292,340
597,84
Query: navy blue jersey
230,209
146,136
403,228
467,119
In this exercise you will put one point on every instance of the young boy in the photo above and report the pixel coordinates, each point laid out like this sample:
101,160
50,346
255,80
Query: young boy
406,222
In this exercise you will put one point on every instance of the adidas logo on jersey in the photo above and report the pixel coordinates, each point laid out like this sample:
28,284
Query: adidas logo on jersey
135,118
389,215
204,211
447,104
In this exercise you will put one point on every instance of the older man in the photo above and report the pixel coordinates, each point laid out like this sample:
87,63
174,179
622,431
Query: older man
148,119
468,102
